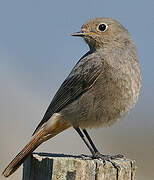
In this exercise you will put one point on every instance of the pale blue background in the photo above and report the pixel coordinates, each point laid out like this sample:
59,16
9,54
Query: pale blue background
36,54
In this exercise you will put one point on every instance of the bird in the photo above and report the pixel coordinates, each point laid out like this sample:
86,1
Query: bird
101,89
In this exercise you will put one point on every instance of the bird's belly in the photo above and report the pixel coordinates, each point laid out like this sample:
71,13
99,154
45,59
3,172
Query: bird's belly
103,104
113,101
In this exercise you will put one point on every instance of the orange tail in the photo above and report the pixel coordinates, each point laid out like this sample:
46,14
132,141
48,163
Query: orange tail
41,136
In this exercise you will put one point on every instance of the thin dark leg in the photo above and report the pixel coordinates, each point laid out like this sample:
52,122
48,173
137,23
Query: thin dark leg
90,140
95,153
83,138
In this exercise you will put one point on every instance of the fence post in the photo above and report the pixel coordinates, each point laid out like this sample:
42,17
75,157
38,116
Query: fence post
45,166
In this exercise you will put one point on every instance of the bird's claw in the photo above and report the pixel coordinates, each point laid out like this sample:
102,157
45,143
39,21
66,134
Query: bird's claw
104,158
85,157
108,158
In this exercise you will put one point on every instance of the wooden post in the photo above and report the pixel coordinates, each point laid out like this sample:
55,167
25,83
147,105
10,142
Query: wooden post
44,166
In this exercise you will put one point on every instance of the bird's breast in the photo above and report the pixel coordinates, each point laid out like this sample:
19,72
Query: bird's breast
112,95
115,91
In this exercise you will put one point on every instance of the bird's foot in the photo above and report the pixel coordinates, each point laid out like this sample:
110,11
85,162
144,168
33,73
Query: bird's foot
108,158
85,157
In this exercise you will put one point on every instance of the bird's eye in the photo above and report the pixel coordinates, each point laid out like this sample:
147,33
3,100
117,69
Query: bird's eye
102,27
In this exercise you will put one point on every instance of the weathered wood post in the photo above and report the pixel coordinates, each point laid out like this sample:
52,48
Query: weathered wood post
44,166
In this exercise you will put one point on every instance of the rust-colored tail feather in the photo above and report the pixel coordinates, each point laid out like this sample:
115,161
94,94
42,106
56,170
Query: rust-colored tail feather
19,159
38,138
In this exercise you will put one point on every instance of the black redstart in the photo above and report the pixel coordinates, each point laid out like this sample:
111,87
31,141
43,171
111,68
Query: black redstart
102,87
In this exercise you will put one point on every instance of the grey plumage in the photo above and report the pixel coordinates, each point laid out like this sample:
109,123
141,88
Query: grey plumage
105,83
102,87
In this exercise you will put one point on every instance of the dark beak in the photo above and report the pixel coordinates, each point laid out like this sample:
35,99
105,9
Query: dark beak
80,34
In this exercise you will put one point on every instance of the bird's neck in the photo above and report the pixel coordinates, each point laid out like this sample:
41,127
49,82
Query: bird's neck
115,44
120,41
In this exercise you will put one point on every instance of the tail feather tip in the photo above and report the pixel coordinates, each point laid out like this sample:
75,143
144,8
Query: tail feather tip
6,173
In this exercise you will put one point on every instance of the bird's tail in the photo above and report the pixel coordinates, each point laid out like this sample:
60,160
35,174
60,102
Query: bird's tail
38,138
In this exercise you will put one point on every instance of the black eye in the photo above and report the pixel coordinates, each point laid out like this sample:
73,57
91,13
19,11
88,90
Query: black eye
102,27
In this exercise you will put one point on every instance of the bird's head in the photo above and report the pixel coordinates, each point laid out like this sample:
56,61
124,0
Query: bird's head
103,33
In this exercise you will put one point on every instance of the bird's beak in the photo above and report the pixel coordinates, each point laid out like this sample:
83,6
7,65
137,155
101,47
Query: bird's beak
82,34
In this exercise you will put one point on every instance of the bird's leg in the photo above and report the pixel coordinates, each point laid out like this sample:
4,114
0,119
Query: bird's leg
83,138
98,155
90,140
95,153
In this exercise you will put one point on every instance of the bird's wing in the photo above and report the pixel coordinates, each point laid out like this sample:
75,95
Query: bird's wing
79,80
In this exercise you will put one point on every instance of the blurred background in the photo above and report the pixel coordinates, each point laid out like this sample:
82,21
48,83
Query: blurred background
36,54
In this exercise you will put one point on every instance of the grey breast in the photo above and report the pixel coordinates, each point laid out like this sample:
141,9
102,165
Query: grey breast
113,92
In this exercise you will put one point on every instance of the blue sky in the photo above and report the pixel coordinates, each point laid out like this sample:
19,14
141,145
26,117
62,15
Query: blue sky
36,34
37,52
